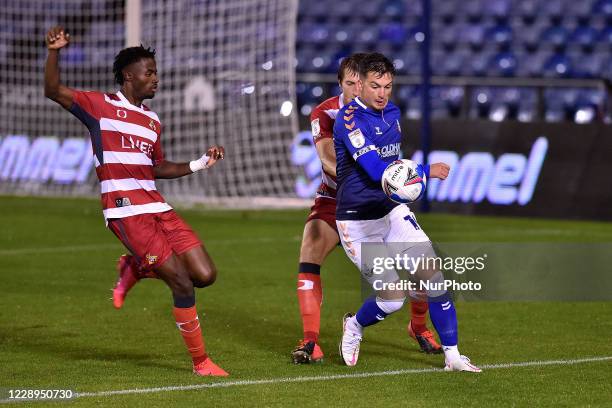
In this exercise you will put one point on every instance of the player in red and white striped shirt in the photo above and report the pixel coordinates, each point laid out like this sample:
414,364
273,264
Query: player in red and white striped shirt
128,155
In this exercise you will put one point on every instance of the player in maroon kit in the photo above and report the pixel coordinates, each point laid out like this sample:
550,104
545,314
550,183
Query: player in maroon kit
320,235
128,156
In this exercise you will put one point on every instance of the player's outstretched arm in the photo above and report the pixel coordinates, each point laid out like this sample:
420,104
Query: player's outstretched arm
327,155
56,39
169,170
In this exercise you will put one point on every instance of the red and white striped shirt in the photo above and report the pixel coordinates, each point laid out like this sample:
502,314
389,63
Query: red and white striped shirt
322,122
126,145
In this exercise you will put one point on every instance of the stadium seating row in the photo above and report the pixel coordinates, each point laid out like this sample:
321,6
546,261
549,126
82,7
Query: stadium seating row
582,105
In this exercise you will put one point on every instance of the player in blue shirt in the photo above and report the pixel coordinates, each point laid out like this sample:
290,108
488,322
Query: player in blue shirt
367,138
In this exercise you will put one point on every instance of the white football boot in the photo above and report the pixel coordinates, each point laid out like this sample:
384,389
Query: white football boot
351,340
461,364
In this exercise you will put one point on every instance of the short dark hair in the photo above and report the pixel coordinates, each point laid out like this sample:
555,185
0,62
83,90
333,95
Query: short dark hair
378,63
350,63
128,56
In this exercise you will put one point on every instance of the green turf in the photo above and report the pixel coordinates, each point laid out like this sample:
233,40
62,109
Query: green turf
58,328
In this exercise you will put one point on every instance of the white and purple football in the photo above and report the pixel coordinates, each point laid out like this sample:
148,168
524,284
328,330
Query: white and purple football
404,181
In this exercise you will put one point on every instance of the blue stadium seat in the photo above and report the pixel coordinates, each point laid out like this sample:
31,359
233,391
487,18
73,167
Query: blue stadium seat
337,54
498,10
446,11
528,11
402,95
606,36
413,9
397,100
308,93
527,110
603,7
479,63
503,64
559,104
365,36
447,36
393,33
410,61
341,10
607,69
303,33
554,10
316,10
531,65
393,10
589,105
588,65
504,104
473,10
557,65
530,37
303,59
367,10
452,96
580,11
481,102
501,35
584,36
319,34
452,64
557,36
474,35
339,33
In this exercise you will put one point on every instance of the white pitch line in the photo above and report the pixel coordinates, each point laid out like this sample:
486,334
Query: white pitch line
323,378
94,247
332,377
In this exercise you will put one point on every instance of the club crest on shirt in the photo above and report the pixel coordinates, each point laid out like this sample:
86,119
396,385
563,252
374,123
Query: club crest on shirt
356,138
151,259
152,125
316,127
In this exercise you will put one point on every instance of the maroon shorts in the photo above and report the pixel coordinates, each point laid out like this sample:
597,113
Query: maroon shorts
324,209
152,238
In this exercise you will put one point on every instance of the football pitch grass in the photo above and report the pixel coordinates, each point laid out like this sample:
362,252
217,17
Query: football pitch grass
58,329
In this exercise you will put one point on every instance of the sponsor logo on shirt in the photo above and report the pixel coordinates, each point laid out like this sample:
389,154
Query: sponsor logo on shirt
122,202
392,149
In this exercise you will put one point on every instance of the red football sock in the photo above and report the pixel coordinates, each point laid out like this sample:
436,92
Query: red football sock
310,295
418,310
189,326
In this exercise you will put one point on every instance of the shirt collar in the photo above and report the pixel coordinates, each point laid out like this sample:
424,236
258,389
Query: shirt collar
125,100
363,105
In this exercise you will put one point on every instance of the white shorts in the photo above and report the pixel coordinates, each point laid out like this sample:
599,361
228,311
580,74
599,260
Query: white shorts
399,226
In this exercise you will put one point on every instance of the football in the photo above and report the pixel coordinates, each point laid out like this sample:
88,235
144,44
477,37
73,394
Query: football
404,181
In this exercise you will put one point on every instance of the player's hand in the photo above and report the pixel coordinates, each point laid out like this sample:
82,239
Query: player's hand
439,170
214,153
57,38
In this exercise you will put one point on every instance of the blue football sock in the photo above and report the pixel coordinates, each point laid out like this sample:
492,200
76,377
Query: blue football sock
370,313
444,318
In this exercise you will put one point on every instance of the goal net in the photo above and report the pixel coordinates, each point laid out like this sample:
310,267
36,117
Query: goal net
226,77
